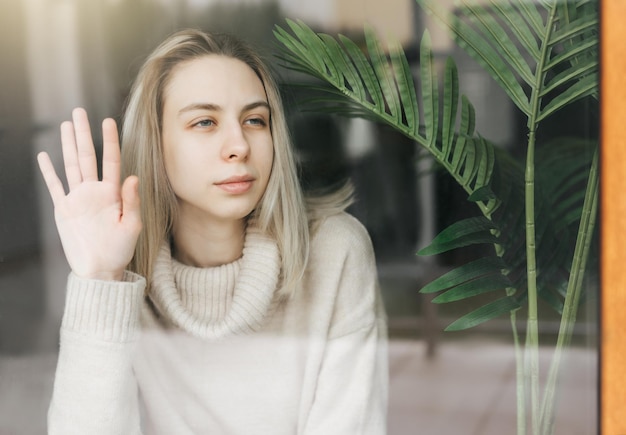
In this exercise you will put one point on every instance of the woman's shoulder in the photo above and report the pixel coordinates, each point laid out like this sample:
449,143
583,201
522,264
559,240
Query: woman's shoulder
343,232
342,269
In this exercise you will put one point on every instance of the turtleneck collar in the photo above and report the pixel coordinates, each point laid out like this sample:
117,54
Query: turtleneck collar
213,303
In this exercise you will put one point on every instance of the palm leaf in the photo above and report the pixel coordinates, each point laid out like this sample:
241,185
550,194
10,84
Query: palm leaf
467,272
568,13
430,92
520,27
453,155
485,313
570,57
478,286
385,78
482,50
564,77
585,87
367,73
486,24
529,13
406,88
450,108
383,88
343,67
462,233
561,190
569,30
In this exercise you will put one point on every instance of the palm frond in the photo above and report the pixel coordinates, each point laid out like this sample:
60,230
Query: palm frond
382,87
505,38
587,86
563,167
475,287
465,273
485,313
481,48
521,27
466,232
486,24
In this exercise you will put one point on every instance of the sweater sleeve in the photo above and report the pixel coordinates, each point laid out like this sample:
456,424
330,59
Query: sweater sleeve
95,391
352,388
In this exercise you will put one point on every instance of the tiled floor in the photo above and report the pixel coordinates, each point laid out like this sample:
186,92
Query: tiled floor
468,388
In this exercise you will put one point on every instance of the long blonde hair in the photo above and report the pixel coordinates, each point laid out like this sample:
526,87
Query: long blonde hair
281,212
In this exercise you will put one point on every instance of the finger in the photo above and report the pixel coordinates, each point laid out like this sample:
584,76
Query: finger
55,187
131,214
110,152
84,145
70,156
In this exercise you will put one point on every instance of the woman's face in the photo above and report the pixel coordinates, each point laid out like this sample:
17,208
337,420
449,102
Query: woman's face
217,143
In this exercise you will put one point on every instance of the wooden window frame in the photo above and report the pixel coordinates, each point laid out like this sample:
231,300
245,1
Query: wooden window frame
613,221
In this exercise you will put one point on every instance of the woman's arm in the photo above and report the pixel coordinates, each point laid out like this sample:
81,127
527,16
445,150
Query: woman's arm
95,391
351,395
98,223
352,387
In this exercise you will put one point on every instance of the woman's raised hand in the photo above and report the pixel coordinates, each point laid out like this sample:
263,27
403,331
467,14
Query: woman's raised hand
98,221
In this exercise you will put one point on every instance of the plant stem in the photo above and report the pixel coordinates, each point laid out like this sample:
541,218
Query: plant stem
532,337
574,288
519,378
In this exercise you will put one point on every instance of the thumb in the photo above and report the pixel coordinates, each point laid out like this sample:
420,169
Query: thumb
130,201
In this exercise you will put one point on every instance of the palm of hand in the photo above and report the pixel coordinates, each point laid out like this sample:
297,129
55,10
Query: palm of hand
90,222
98,222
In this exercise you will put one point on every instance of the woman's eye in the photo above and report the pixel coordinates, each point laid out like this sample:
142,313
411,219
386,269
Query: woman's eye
256,121
204,123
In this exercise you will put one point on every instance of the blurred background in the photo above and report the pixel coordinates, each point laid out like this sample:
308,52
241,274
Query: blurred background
59,54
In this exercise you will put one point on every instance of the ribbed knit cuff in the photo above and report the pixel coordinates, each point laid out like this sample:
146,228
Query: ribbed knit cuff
105,310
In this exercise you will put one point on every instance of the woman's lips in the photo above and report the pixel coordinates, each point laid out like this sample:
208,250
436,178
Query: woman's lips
236,185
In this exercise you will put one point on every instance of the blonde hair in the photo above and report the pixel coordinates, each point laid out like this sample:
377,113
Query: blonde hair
281,212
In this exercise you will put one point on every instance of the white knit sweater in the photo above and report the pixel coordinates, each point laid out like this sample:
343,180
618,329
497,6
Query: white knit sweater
214,352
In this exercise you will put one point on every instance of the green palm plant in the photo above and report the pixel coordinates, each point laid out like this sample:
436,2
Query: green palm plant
544,56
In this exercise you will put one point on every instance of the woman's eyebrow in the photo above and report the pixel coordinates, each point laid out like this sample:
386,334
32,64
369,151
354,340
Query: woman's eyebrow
199,106
255,105
217,108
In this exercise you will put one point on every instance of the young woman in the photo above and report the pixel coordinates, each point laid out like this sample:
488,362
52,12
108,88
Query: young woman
205,296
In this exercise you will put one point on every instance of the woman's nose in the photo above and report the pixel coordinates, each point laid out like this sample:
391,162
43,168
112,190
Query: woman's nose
235,146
